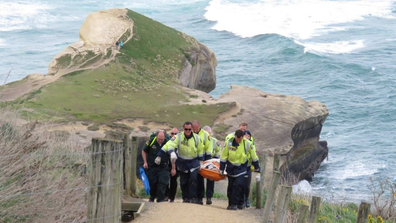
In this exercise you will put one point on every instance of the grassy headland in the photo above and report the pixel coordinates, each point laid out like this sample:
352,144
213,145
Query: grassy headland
141,82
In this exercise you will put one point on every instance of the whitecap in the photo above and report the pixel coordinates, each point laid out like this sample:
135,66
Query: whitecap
354,170
337,47
21,15
295,19
303,187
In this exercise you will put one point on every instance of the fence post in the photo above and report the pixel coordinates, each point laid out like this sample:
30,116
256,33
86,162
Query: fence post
271,196
128,165
104,196
282,204
303,213
258,192
263,165
135,145
276,162
314,212
364,210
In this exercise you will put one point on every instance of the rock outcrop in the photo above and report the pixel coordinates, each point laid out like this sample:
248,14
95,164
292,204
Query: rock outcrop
286,125
98,35
199,70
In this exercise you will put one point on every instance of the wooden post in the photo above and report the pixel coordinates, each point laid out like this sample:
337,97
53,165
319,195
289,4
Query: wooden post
282,204
104,196
128,163
276,162
263,165
302,213
258,192
135,145
314,212
271,196
364,210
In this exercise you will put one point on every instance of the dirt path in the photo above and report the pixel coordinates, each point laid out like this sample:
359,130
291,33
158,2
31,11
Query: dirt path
193,213
35,81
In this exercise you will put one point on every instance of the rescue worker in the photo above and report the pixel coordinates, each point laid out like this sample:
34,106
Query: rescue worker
248,177
213,152
204,136
157,173
189,151
171,190
234,159
242,126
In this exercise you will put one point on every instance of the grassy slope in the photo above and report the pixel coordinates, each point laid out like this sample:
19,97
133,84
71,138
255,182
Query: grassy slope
140,83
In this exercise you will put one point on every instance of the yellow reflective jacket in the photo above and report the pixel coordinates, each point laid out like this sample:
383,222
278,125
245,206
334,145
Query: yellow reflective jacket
187,149
205,138
235,158
214,149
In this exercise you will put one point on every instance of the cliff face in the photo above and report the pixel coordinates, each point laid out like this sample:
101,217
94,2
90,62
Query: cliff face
286,125
199,70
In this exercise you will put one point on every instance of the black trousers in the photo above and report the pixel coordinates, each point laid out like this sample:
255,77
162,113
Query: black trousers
235,190
188,184
209,188
171,190
248,181
200,187
158,180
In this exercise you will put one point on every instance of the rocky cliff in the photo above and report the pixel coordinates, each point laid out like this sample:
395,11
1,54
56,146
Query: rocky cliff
286,125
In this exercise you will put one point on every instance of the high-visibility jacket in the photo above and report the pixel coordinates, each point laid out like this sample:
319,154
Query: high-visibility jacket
234,158
250,158
229,136
205,138
214,149
188,150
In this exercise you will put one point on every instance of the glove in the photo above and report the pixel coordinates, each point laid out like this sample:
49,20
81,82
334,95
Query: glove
258,170
157,160
173,157
221,172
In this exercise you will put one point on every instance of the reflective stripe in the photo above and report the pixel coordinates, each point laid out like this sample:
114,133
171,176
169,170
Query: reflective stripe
186,158
247,145
237,174
221,160
193,169
179,136
196,140
205,136
152,142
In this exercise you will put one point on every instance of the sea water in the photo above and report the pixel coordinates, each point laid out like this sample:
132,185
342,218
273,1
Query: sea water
339,52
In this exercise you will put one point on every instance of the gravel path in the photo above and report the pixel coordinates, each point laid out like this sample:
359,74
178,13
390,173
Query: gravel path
194,213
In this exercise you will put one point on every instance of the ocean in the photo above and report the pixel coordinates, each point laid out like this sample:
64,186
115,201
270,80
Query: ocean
339,52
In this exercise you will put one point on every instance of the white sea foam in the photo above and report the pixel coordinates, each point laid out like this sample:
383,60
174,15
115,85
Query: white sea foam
356,169
20,15
2,43
292,18
337,47
303,187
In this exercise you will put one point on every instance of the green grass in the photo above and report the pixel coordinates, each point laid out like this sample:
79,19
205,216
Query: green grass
221,130
64,61
139,83
152,38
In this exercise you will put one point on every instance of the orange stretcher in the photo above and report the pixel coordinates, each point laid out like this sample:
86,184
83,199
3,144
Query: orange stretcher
210,169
